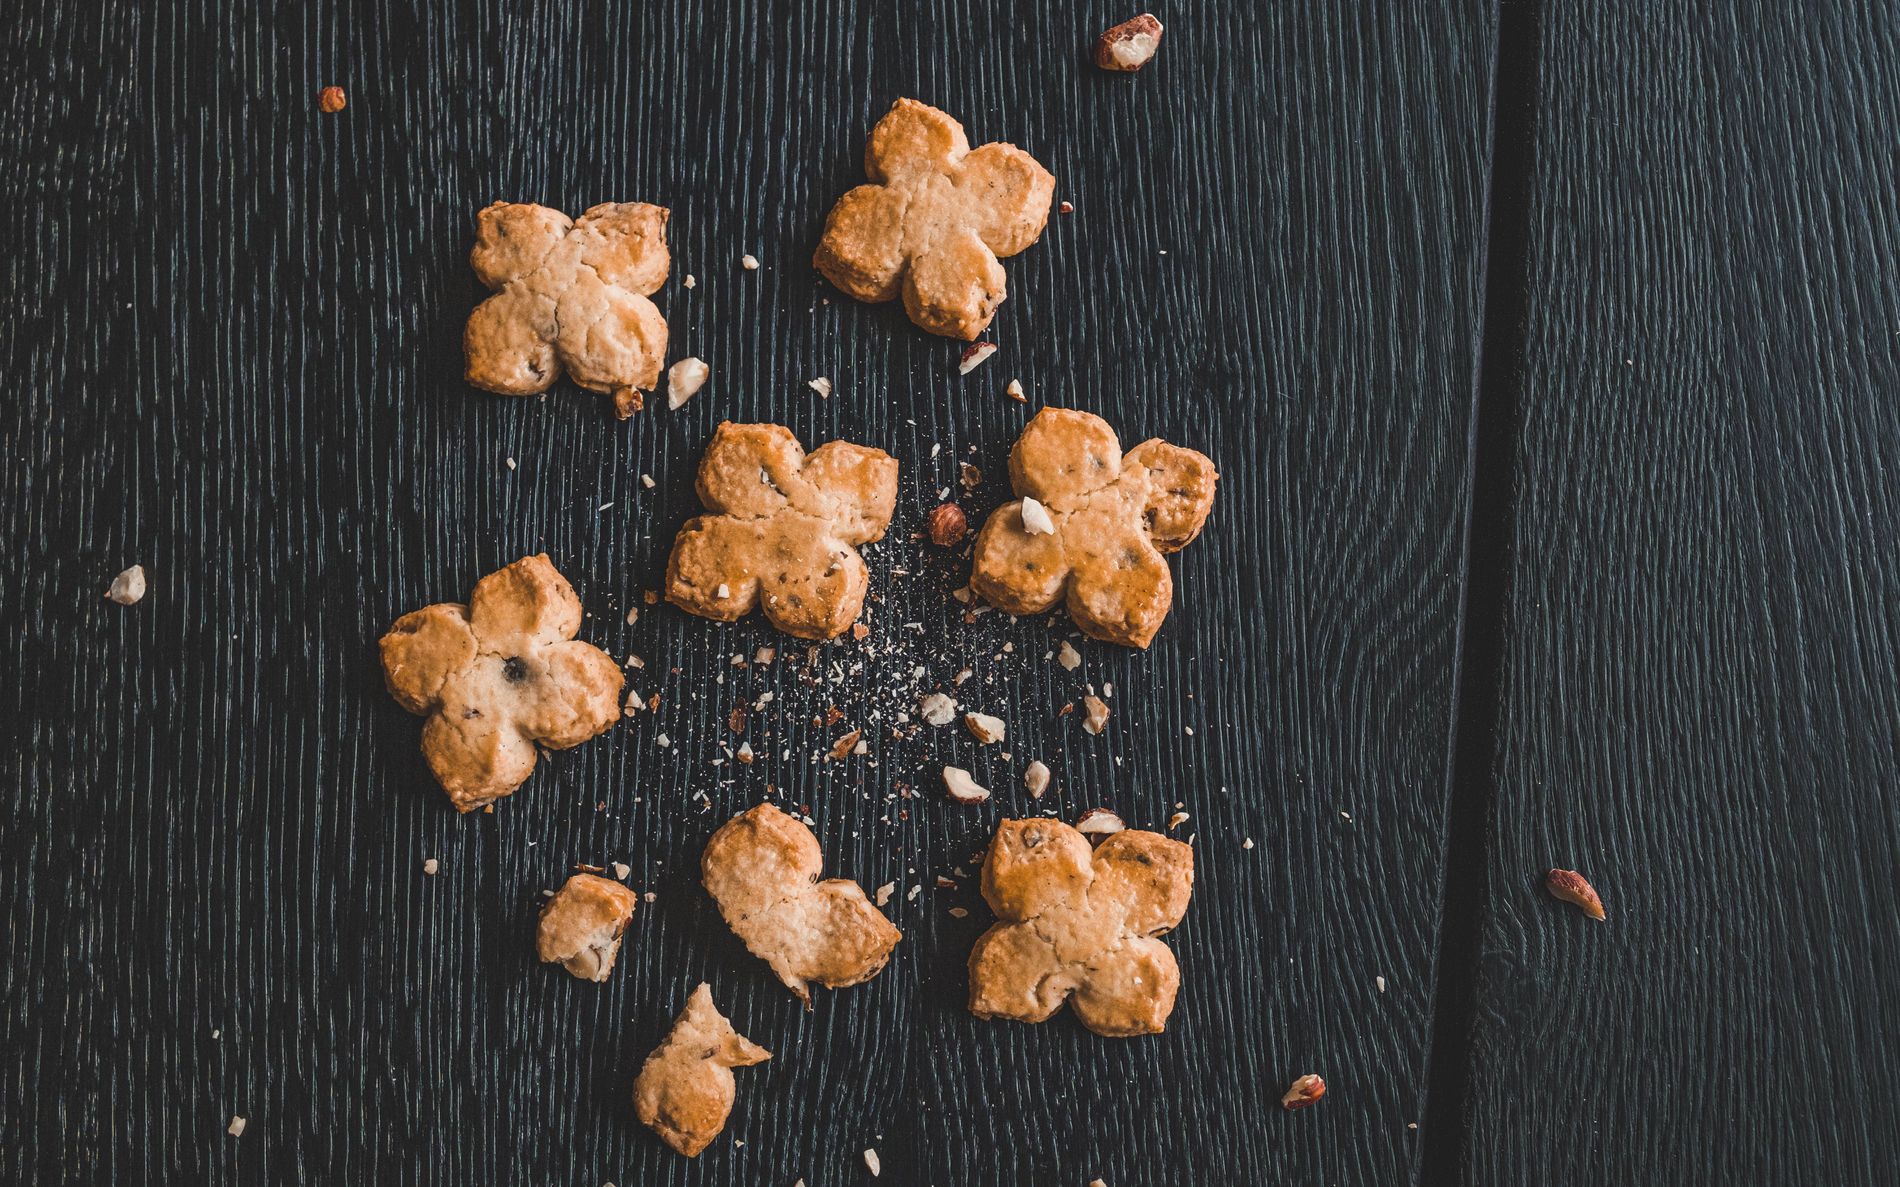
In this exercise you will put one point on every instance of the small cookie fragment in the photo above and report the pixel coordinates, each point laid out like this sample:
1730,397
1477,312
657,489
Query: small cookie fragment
1130,45
1572,887
570,295
128,587
498,677
935,221
762,868
684,379
581,926
782,530
1081,926
685,1088
1093,527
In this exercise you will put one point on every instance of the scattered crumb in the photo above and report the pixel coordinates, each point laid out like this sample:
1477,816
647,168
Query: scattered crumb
509,462
1247,844
1015,391
969,476
128,587
764,655
331,100
689,282
1036,778
964,788
622,870
662,741
749,262
860,632
684,379
430,865
1094,715
870,1160
236,1128
1069,657
1177,820
884,893
646,480
938,709
821,385
958,912
846,744
745,753
1380,982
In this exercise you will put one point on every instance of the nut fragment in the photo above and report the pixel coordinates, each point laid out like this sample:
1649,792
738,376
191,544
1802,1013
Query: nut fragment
331,100
236,1128
684,379
1129,45
1094,714
1099,822
1305,1091
938,709
974,356
1015,391
870,1160
749,262
947,525
843,747
821,385
1069,657
1036,778
1036,519
984,728
128,587
962,787
1571,887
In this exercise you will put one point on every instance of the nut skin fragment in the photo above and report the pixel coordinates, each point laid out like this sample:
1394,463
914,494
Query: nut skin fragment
498,677
331,100
581,926
935,221
571,295
782,531
762,868
1130,45
1571,887
685,1088
1115,517
1080,926
1305,1091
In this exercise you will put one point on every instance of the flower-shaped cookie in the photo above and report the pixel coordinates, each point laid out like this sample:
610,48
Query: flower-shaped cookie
1080,927
1092,526
784,530
573,295
935,221
762,868
685,1088
499,675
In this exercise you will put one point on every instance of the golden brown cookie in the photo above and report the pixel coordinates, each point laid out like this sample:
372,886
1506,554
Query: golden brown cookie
684,1091
498,676
582,924
762,867
570,294
784,530
1092,526
1080,927
934,222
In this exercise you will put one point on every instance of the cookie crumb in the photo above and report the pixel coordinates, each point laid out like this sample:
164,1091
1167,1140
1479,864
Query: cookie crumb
1036,520
662,741
1036,778
430,865
1015,391
646,480
974,356
964,788
870,1160
1247,843
622,870
821,385
749,262
1094,715
689,282
860,632
684,379
959,912
885,892
128,587
331,100
509,462
984,728
1380,982
236,1128
1093,1182
1069,657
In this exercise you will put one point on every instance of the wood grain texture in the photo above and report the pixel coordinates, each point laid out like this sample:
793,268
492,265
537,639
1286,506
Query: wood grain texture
234,325
1699,698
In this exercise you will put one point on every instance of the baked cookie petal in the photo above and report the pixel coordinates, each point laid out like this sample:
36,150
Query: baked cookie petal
1129,991
862,250
422,650
1011,192
913,138
507,345
527,604
513,240
476,760
1180,492
610,338
685,1089
955,288
625,244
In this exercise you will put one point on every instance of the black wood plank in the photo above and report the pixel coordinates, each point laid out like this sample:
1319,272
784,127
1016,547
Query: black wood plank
1699,699
234,327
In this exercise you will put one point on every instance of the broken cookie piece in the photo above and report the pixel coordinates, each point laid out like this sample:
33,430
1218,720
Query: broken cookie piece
1080,926
685,1088
783,530
935,220
1093,527
582,924
499,676
570,294
762,868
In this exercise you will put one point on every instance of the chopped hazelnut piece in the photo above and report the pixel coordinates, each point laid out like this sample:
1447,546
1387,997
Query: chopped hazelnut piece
1130,45
1094,714
821,385
984,728
1099,822
128,587
1307,1090
962,787
1069,657
1036,519
974,356
938,709
331,100
749,262
1036,778
684,379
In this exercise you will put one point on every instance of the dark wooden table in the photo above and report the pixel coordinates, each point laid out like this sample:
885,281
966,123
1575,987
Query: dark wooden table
1549,356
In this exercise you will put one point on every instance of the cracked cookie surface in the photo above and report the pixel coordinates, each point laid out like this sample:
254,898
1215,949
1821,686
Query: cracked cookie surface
1093,526
1081,927
685,1088
762,868
570,295
784,530
935,221
498,676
